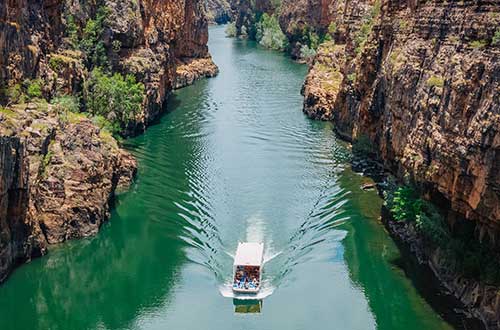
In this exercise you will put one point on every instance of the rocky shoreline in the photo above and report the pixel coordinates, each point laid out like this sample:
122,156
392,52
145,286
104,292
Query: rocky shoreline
190,70
461,295
478,300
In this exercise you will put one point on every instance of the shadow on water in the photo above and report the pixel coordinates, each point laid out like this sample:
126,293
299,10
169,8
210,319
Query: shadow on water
247,306
380,266
429,287
77,285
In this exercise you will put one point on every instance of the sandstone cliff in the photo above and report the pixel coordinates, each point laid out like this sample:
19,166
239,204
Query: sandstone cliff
219,11
59,174
424,90
148,39
19,236
421,81
60,168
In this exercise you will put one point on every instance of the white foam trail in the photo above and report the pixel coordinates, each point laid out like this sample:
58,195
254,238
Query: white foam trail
255,229
255,234
268,255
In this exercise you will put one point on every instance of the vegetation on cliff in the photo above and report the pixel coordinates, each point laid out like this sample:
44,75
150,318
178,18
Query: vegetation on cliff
268,33
74,76
116,98
460,250
262,22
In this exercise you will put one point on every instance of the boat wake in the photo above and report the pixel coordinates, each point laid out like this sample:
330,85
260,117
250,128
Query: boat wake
313,239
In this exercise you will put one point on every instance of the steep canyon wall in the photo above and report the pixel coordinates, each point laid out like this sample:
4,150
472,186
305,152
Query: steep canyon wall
60,169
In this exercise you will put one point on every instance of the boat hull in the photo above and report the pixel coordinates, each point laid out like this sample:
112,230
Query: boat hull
254,291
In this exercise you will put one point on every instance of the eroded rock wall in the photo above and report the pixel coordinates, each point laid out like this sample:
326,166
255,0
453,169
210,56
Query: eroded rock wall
428,85
425,90
59,170
19,235
219,11
423,85
59,174
148,39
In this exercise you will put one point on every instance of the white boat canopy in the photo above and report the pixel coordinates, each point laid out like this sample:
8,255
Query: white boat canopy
249,254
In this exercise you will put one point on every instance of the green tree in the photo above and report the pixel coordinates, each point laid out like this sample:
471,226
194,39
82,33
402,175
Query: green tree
92,43
114,97
269,33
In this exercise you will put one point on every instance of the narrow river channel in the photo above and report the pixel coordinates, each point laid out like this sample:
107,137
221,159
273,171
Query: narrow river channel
233,160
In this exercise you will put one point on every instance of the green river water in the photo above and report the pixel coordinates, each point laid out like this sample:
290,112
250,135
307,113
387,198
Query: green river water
233,160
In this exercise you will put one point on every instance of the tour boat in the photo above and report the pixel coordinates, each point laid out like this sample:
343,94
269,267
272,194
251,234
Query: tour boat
247,267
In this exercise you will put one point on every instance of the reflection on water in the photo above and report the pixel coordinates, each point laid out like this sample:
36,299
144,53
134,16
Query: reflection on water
234,160
247,306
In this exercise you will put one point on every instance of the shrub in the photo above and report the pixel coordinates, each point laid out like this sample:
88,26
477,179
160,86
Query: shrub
314,40
66,103
231,30
362,36
431,225
463,252
105,125
33,88
406,205
15,94
90,39
46,159
403,24
91,42
435,81
477,44
496,38
72,31
332,28
307,53
116,98
269,33
56,63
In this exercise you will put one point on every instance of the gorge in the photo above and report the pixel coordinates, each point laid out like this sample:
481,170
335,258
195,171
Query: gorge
413,85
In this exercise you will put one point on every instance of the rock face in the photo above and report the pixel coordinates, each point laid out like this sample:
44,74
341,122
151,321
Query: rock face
246,12
219,11
59,174
59,171
190,70
332,73
19,237
423,90
421,81
296,16
145,38
323,81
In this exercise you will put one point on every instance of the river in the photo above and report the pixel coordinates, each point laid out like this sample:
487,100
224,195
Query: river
233,160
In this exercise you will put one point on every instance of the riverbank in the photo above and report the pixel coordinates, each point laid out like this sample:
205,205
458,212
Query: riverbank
476,300
450,292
